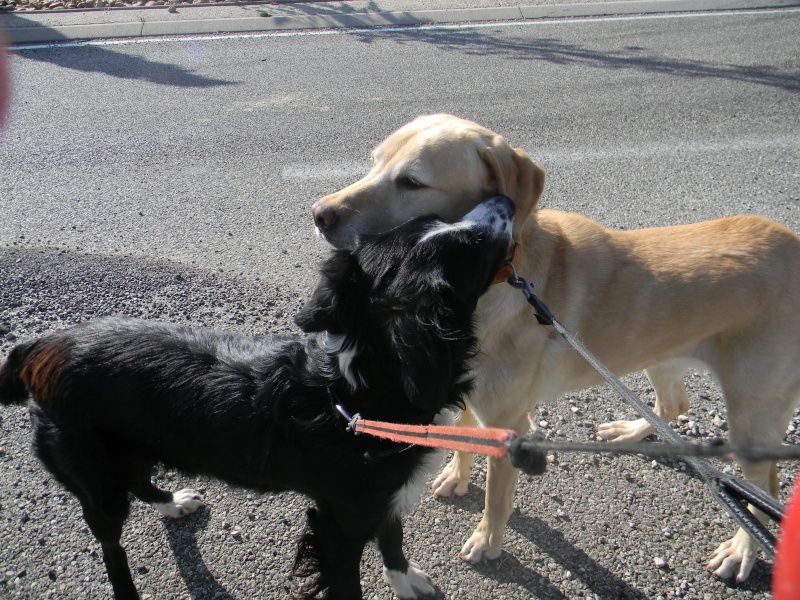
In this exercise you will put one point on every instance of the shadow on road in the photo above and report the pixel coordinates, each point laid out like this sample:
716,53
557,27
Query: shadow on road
194,572
553,544
99,59
508,569
556,51
467,41
550,542
474,42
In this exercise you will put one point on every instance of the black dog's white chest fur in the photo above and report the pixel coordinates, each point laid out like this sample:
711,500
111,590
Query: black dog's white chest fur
115,396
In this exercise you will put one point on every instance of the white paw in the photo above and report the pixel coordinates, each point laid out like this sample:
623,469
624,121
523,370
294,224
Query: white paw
624,431
479,548
409,585
734,557
184,502
450,482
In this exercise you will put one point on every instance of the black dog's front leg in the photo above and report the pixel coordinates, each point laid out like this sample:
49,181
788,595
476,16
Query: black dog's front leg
330,557
407,580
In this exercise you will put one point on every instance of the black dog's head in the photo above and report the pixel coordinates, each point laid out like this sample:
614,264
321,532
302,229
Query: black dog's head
401,304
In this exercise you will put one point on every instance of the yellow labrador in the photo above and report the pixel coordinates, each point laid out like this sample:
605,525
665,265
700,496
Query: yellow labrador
724,294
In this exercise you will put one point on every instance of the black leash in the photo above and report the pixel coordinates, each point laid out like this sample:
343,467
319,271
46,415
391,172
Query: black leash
733,494
677,450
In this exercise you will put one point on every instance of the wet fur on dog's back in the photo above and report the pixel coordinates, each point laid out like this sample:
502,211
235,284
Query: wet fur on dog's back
114,396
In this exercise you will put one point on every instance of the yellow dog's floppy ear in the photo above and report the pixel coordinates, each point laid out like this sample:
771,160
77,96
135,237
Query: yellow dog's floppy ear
517,177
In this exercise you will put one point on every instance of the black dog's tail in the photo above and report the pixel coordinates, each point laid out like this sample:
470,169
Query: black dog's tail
12,388
26,365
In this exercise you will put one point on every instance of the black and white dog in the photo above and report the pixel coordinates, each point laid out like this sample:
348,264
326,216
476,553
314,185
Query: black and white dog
114,396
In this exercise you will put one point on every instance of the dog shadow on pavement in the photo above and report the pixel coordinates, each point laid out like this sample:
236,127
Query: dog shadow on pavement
116,64
551,543
181,536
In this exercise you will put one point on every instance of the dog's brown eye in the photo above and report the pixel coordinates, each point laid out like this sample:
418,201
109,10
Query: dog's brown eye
410,183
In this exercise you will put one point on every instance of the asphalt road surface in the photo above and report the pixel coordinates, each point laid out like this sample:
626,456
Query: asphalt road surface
172,180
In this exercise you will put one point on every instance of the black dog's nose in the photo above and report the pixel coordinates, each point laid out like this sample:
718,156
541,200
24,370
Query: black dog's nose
324,217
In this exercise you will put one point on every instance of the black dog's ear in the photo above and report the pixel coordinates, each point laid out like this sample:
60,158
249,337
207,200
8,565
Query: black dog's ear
425,364
325,309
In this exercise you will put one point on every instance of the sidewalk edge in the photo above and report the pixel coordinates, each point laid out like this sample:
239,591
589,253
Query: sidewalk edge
142,28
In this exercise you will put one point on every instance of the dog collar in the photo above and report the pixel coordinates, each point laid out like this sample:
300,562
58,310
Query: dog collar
508,269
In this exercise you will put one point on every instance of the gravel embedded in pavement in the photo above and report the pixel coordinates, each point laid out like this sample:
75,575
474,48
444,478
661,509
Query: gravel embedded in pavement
592,527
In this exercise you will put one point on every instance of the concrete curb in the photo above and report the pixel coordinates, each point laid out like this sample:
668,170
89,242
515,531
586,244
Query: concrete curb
649,7
141,27
278,23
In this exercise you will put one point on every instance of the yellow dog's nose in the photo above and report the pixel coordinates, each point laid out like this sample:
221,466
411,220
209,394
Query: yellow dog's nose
324,216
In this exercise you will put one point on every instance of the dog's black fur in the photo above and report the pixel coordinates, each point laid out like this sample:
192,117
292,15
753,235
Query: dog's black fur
114,396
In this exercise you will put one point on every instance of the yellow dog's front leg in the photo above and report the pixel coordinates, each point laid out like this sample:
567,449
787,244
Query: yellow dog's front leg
487,541
454,478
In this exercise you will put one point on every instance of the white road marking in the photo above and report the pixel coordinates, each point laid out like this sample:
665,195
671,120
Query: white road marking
325,171
672,150
394,29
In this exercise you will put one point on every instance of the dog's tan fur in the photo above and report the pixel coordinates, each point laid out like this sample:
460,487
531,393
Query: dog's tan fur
723,294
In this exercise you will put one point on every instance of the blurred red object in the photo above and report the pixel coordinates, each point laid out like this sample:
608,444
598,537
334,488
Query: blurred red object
786,570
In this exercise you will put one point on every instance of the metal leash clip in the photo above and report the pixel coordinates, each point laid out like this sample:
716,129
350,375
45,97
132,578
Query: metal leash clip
542,313
351,419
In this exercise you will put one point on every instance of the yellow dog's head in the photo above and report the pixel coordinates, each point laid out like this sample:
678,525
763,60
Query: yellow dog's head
436,164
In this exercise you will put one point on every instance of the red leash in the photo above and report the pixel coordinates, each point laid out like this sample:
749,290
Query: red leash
489,442
785,575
